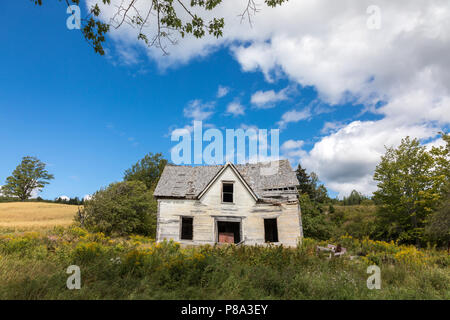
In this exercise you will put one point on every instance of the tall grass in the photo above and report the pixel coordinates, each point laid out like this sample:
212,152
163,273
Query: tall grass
33,266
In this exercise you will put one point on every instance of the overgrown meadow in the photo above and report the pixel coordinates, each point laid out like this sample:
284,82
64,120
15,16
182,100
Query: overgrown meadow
33,266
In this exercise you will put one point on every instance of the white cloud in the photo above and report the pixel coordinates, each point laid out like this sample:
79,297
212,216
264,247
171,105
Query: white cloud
235,108
248,126
331,127
180,131
63,198
346,159
87,197
267,99
436,143
222,91
127,57
327,45
292,144
294,116
197,110
293,150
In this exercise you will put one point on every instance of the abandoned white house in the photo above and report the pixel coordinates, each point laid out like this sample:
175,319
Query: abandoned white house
229,203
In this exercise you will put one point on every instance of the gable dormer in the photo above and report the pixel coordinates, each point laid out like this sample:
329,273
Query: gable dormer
228,188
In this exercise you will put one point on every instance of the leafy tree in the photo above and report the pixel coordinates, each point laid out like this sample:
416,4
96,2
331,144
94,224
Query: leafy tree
441,156
311,198
439,223
321,194
439,226
169,18
122,208
314,220
148,170
409,189
30,175
308,184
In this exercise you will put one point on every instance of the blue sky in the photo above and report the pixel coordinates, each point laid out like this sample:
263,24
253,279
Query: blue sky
90,117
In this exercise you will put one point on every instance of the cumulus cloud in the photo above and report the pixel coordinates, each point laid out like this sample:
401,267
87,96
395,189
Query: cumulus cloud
294,116
331,126
292,144
222,91
400,72
437,143
267,99
197,110
235,108
345,160
293,150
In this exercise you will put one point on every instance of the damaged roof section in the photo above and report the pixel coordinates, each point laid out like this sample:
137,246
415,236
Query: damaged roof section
189,181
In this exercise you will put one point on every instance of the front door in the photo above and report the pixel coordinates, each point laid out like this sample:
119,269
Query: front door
228,232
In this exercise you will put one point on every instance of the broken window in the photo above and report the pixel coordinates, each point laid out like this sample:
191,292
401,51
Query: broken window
227,192
270,230
187,228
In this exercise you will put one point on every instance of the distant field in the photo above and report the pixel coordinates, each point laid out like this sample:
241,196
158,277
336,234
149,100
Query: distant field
24,216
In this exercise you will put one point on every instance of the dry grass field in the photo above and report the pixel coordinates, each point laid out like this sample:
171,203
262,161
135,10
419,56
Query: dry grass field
26,216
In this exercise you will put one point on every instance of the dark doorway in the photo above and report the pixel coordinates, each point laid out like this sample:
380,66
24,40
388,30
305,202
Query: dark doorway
228,232
270,230
187,226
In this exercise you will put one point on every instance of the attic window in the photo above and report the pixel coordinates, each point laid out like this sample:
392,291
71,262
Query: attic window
227,192
187,228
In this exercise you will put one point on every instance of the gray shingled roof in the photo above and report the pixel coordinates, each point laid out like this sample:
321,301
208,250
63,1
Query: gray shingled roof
188,181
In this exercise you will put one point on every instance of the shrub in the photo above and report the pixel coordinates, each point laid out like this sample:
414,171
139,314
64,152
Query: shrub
26,245
87,251
313,219
122,208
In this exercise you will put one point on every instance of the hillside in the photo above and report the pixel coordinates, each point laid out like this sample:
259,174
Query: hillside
356,220
21,216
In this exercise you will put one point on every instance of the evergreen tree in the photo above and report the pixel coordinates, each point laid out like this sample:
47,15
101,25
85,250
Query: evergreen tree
304,181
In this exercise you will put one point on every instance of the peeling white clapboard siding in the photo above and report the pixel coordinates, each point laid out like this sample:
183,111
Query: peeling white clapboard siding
209,207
